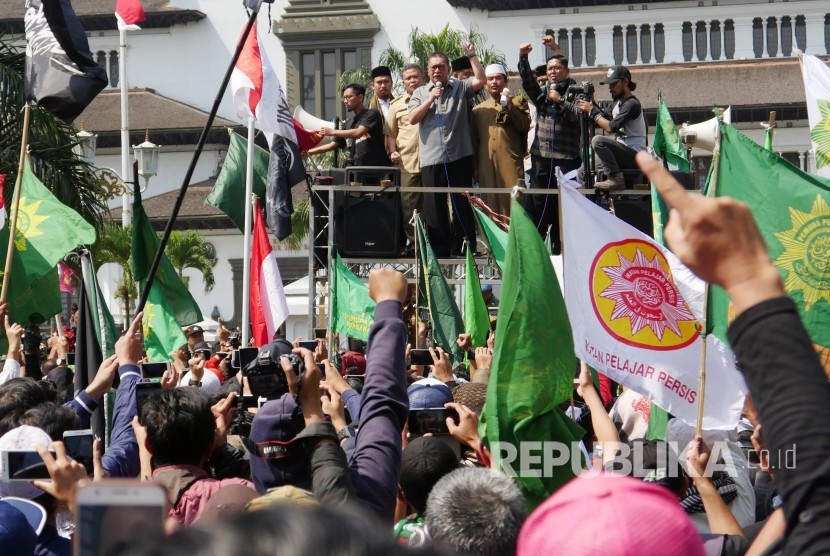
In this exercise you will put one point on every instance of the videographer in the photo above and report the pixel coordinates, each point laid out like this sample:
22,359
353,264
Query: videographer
374,466
628,125
557,139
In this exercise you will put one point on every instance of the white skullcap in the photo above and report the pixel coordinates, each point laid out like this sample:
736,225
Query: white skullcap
494,69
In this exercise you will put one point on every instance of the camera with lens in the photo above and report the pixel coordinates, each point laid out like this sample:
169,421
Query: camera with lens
582,91
235,339
265,375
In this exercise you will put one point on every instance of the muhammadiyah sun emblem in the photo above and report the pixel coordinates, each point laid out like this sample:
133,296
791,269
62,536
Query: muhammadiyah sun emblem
28,222
635,299
806,256
820,134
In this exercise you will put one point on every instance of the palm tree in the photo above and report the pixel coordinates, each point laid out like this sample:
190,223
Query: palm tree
300,224
447,40
188,249
51,144
114,245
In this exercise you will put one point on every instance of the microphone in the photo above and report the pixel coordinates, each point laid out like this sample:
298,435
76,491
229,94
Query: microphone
437,85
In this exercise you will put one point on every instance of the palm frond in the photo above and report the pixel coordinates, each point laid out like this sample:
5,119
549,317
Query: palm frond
189,249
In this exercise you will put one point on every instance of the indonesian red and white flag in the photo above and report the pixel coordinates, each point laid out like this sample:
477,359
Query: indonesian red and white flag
256,90
635,310
2,202
129,13
269,308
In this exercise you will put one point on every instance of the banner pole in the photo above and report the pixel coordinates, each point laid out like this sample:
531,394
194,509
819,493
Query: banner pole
417,279
245,325
24,142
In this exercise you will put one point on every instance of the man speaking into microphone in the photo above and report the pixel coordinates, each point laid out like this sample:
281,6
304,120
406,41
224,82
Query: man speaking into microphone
441,107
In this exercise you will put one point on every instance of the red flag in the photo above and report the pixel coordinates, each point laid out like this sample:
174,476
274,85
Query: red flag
306,139
269,309
65,277
129,13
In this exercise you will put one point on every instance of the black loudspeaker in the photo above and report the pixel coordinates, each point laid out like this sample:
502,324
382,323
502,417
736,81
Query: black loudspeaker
369,226
635,210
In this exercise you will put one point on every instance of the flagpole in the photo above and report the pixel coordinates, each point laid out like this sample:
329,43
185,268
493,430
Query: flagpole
417,278
151,276
27,113
127,209
702,376
246,241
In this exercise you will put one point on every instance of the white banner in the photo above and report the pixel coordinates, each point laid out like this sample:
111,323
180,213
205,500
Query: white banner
627,302
816,76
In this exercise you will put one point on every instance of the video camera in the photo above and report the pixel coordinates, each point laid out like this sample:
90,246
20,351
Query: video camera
582,91
265,375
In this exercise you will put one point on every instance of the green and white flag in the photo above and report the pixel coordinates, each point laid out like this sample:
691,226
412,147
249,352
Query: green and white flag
352,310
496,237
792,209
816,76
170,304
667,142
46,228
229,189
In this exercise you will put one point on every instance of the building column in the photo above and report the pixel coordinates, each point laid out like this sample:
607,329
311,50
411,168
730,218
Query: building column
673,37
638,31
801,161
236,278
605,45
815,34
743,39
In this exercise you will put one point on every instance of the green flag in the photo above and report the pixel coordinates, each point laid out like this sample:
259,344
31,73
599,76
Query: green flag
476,318
352,310
667,142
228,193
162,333
496,237
29,299
169,305
792,209
446,319
533,365
768,139
46,228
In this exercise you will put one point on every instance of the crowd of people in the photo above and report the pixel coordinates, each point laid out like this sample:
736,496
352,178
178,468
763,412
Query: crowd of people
349,458
441,132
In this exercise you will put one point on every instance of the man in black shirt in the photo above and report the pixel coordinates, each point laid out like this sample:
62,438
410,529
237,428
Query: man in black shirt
363,135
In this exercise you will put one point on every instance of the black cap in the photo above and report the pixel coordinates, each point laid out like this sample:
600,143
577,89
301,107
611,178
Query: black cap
194,329
461,64
381,71
616,73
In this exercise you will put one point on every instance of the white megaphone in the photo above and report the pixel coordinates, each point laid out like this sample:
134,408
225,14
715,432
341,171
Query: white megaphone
705,134
312,123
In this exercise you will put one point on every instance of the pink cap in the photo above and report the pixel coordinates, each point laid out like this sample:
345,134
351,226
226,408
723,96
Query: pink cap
605,515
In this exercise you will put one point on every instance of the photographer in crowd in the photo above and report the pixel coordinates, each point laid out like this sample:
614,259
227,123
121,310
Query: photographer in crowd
557,139
626,123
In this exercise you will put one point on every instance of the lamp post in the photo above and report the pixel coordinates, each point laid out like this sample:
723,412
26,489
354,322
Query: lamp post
85,147
147,156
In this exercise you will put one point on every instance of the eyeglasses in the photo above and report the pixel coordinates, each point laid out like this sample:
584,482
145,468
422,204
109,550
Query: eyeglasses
433,69
349,97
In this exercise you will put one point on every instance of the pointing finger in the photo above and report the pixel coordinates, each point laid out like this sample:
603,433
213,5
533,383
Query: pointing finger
672,192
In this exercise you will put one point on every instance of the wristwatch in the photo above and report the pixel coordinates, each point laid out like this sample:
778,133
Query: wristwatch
346,432
195,383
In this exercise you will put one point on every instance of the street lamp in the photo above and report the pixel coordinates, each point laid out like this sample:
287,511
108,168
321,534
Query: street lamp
147,156
85,147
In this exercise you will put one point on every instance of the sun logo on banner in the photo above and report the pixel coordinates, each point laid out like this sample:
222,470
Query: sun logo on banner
806,256
147,320
820,134
28,222
635,299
